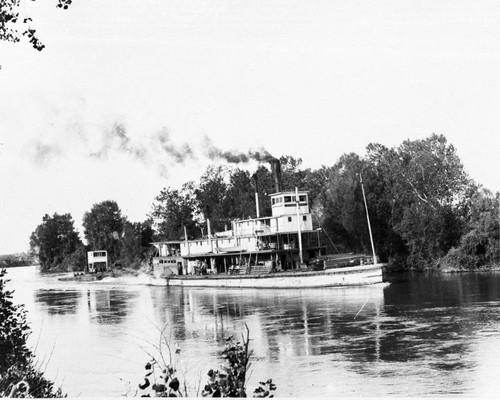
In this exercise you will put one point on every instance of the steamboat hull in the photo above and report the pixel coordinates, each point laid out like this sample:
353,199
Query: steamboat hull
347,276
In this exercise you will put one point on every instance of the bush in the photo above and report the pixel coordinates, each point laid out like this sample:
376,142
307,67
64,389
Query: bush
476,250
19,375
229,382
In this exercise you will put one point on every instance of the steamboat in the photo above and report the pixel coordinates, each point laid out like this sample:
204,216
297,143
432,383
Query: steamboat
283,250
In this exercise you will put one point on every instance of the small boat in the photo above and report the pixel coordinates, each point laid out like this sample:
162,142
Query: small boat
83,277
283,250
97,268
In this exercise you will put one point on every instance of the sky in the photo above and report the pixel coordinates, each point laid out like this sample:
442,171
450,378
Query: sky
129,97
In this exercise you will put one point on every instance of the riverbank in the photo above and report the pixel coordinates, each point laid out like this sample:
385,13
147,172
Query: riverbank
448,269
9,263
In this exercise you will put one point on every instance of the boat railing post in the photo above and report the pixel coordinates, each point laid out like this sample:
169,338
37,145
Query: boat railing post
299,232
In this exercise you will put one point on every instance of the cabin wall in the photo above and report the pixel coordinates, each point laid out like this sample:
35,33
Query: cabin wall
216,245
97,261
287,209
167,249
250,227
289,223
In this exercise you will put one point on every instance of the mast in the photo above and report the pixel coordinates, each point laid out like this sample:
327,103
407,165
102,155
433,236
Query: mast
368,219
256,195
186,240
298,225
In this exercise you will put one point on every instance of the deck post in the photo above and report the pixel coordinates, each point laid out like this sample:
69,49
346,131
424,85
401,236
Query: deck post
299,232
186,240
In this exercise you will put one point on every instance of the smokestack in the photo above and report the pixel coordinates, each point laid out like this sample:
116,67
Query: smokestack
255,181
276,170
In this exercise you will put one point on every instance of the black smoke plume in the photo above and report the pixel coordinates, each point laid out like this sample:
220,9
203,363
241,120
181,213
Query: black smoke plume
235,156
159,152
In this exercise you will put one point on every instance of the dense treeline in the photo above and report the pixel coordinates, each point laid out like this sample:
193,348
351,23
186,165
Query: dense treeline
425,211
59,247
15,260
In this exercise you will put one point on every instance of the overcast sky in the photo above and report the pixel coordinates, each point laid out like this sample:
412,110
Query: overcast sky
127,95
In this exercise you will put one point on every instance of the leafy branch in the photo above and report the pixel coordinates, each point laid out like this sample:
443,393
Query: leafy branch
13,27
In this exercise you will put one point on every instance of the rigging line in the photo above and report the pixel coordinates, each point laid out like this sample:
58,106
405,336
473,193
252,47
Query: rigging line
326,233
363,306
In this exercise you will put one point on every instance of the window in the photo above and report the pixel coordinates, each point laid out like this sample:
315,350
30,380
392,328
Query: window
304,218
289,219
303,197
288,199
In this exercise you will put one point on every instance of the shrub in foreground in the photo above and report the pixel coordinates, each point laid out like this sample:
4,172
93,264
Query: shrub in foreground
19,374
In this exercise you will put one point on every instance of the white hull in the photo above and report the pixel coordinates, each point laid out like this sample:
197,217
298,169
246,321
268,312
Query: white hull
348,276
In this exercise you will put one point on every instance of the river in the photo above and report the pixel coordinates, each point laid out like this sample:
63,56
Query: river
417,335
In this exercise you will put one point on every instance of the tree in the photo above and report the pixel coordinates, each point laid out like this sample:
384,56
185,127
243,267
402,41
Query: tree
426,188
239,200
13,27
103,228
210,196
265,186
174,210
136,242
480,245
340,205
291,174
55,241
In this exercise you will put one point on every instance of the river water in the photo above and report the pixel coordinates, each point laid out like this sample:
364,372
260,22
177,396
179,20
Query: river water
417,335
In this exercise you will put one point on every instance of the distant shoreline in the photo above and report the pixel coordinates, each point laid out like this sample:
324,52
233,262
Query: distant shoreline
457,270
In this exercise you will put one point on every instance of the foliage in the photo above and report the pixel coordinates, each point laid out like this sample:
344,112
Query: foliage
161,378
19,376
55,241
14,330
425,185
343,208
210,195
135,243
16,260
231,381
480,246
422,206
58,245
291,175
239,200
265,186
222,194
13,26
174,210
103,228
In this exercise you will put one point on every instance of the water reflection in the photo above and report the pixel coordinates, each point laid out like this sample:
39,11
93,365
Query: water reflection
58,302
109,306
298,323
422,335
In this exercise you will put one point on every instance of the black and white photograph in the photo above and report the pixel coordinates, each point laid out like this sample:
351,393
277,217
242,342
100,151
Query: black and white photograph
249,198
